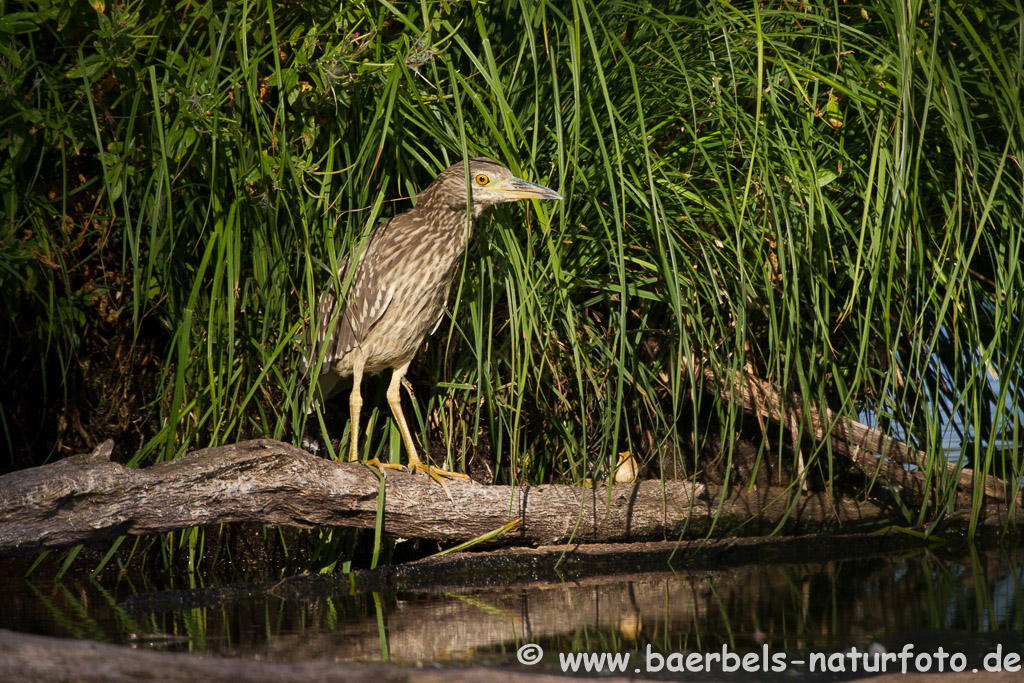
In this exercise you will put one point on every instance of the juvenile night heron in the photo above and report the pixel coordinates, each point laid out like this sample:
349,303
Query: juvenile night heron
402,275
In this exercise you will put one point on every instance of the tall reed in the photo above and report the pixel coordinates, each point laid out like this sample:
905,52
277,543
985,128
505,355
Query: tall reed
828,195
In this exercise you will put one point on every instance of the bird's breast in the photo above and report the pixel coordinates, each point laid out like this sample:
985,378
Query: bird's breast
418,270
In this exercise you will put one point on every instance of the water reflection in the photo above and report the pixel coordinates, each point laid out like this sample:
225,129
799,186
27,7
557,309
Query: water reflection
967,604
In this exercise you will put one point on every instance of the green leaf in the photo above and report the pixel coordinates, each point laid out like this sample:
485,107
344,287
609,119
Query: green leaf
19,22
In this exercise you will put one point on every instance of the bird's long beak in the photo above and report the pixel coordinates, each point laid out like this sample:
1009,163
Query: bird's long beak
517,188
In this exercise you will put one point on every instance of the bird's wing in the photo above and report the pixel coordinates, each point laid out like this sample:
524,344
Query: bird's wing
366,300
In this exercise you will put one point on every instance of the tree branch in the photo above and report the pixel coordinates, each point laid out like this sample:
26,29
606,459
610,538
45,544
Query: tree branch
853,439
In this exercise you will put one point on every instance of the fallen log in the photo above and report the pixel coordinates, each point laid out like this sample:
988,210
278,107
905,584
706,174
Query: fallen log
89,498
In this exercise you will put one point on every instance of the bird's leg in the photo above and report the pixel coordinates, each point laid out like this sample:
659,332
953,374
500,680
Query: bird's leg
355,405
395,401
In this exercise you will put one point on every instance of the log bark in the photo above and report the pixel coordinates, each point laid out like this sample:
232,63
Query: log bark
89,498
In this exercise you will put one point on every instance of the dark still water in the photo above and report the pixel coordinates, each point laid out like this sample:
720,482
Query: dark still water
933,608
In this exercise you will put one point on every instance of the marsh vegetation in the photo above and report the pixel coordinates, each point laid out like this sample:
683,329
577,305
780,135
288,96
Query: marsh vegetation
827,197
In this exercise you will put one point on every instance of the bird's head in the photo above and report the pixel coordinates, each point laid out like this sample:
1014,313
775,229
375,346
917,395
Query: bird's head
489,182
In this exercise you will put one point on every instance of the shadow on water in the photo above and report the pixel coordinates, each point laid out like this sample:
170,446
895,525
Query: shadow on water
968,604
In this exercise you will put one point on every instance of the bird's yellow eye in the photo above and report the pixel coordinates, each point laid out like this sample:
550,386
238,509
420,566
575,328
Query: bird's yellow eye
482,179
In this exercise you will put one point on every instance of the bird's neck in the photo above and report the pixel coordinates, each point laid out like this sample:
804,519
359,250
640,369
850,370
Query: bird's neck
442,215
435,198
440,230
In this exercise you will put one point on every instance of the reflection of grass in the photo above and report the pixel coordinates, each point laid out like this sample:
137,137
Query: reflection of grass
385,653
69,615
827,197
486,607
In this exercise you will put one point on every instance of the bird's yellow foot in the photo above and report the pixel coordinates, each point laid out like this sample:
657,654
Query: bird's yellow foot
381,466
436,473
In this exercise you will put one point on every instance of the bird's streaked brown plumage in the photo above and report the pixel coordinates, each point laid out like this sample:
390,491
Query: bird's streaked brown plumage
399,284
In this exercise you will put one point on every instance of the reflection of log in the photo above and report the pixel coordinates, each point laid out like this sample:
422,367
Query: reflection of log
88,498
849,437
524,568
855,597
459,625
